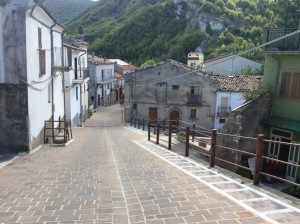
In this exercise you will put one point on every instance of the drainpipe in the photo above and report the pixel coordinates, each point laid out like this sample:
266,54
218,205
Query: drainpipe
80,73
52,80
63,77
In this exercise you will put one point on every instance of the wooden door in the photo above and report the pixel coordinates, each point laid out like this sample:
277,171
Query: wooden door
152,113
174,115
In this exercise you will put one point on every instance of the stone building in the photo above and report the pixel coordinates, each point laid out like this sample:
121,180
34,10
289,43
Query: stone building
170,90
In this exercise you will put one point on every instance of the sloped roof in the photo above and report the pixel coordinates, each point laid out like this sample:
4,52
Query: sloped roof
238,83
127,67
227,57
99,60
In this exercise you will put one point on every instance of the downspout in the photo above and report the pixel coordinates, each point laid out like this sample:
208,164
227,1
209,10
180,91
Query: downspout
63,77
52,80
81,110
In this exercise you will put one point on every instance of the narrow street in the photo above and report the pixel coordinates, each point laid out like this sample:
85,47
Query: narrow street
109,173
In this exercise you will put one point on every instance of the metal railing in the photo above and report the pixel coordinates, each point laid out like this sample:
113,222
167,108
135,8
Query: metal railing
291,43
188,133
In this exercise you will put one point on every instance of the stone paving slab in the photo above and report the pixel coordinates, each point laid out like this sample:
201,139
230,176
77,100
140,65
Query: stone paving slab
112,175
270,209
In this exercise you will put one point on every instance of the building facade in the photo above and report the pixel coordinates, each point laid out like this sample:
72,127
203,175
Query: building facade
229,65
102,81
282,73
230,95
76,82
170,90
31,77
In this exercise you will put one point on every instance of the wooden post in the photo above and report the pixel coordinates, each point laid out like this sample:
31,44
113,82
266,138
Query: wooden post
213,147
193,136
256,175
157,133
170,136
187,141
149,130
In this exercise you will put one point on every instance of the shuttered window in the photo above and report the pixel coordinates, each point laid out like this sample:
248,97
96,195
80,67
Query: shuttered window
42,60
289,85
193,113
42,53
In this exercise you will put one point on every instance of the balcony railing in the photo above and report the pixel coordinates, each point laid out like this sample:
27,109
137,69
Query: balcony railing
105,79
57,60
194,99
223,111
81,75
291,43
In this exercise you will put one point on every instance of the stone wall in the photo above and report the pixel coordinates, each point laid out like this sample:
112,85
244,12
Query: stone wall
13,118
244,121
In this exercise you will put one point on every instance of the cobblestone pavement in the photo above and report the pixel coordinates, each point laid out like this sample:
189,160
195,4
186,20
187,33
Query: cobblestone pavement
110,174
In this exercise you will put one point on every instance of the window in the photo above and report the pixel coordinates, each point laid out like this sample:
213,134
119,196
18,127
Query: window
193,113
194,90
175,87
289,85
42,54
222,120
76,92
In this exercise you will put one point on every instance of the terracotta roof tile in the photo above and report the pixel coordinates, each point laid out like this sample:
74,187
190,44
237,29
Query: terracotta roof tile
238,83
99,60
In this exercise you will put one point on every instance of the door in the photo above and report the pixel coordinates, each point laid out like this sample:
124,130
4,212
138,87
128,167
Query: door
174,115
280,151
152,113
294,155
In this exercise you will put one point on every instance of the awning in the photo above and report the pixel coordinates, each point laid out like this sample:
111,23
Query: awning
283,123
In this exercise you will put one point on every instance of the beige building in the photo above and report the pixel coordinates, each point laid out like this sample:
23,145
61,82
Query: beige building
195,59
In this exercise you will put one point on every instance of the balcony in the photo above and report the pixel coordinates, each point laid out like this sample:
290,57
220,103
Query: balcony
223,111
58,65
193,100
105,79
289,44
81,75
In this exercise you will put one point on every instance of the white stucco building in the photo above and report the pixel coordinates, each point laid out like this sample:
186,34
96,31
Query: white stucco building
76,82
229,65
31,73
230,95
102,81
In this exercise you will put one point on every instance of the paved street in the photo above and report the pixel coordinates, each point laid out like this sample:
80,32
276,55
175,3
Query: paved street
111,174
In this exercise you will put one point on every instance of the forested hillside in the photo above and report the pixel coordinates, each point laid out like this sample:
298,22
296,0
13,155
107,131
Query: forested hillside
66,10
141,30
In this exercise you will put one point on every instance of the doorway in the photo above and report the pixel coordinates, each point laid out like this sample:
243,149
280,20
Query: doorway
152,113
174,115
281,151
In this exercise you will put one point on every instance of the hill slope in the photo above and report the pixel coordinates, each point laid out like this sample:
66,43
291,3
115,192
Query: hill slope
66,10
140,30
